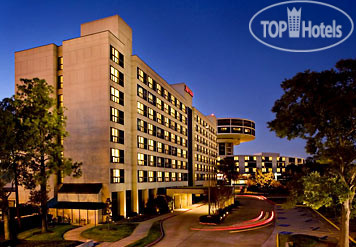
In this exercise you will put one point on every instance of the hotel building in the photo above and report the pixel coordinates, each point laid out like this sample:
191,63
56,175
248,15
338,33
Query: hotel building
233,131
135,133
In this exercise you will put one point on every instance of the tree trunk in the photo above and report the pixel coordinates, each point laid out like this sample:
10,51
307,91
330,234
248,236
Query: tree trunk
17,200
5,212
345,222
43,194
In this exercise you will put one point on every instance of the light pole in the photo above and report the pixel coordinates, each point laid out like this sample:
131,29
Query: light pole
207,127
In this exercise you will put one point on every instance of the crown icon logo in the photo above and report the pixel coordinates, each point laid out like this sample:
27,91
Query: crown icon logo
294,22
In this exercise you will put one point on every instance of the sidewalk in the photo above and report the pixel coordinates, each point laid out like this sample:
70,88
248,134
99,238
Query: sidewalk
300,220
75,233
140,231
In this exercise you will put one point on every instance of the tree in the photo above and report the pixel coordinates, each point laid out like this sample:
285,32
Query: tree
228,168
45,124
320,107
12,144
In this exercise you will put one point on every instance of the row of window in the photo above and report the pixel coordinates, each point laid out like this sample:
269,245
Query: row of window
160,104
146,79
203,168
238,130
151,160
204,141
151,129
204,159
158,176
203,123
205,150
159,118
60,82
236,122
160,147
205,133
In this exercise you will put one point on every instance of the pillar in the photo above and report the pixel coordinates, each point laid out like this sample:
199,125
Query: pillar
135,206
145,196
122,203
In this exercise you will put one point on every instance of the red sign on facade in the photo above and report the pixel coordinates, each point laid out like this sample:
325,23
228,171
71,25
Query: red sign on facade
187,89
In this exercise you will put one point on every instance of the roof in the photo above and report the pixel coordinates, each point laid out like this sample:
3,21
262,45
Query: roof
78,205
77,188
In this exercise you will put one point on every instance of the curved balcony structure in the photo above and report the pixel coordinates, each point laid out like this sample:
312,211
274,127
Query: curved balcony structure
235,130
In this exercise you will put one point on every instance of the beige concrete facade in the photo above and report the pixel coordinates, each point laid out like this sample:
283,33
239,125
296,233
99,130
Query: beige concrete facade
132,130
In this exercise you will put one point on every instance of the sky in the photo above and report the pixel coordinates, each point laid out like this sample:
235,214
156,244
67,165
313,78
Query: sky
206,44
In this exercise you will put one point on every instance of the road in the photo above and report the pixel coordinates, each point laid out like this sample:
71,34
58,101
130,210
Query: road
178,229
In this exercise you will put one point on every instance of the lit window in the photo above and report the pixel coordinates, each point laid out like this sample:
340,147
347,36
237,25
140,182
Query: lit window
117,116
151,178
151,98
116,96
141,142
117,156
184,153
173,176
246,169
60,100
183,108
117,136
166,177
151,145
254,158
150,129
117,176
149,82
165,94
166,122
117,57
173,137
159,103
60,63
151,114
141,125
173,100
60,82
140,108
159,176
159,118
140,75
116,76
141,176
179,176
236,158
173,112
158,88
166,108
141,92
140,159
159,147
151,160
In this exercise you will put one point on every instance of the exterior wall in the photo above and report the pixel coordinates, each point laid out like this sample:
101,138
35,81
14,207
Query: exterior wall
204,147
40,62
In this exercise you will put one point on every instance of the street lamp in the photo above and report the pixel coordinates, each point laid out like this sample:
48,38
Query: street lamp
207,127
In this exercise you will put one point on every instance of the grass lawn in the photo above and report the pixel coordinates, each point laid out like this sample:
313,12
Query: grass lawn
34,237
102,233
54,233
153,234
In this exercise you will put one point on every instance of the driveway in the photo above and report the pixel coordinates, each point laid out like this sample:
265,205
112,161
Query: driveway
178,229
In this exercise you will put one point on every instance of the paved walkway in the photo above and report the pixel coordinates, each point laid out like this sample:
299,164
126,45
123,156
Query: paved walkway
75,233
140,232
301,220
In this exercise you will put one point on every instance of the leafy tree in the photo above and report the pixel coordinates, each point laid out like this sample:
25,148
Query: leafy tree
228,168
264,180
320,107
45,125
12,157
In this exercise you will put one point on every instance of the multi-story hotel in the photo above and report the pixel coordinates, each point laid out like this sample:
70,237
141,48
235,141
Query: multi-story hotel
233,131
136,134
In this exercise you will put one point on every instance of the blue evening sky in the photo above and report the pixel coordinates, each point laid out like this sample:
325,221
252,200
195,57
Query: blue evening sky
206,44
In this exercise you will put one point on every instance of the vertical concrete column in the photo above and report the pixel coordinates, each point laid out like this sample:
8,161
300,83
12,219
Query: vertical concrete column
122,203
189,199
184,200
145,196
274,164
135,206
177,201
155,192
